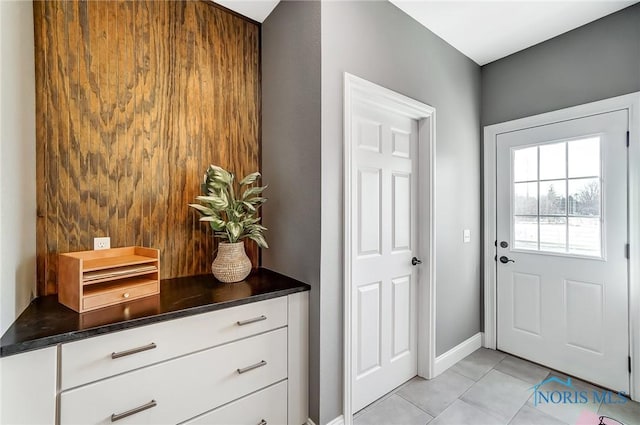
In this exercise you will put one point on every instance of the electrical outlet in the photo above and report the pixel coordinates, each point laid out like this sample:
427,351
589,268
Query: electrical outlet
102,243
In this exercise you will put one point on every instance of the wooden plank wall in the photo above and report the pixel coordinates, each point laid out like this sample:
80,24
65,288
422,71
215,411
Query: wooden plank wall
133,100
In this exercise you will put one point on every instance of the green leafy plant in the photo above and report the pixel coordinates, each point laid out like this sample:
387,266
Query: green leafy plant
232,218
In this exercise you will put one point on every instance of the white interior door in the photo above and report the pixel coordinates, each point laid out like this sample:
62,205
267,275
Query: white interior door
383,230
562,271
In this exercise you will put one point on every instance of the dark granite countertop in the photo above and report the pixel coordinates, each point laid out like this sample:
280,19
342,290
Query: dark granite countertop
45,322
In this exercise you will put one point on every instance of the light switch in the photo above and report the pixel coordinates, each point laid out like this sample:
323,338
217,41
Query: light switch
466,235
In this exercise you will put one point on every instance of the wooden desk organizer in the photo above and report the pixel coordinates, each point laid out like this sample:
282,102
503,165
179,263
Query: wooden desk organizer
88,280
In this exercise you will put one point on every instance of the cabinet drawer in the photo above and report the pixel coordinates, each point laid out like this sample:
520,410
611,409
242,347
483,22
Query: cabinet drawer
91,359
181,388
266,407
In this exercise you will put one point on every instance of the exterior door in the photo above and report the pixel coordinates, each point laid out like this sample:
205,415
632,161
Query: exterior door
562,294
383,229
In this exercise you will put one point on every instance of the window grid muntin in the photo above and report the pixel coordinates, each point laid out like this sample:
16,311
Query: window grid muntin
567,215
553,180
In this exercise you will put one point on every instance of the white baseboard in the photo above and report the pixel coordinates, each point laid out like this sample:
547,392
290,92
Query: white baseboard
457,353
337,421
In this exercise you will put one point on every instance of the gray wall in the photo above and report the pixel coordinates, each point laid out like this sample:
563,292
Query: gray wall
291,156
378,42
302,156
17,158
596,61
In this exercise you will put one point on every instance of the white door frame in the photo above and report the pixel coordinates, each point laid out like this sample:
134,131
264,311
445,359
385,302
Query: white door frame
629,102
356,88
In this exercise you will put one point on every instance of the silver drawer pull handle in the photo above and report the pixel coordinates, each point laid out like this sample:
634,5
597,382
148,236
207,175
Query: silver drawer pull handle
253,366
115,355
263,422
254,320
118,416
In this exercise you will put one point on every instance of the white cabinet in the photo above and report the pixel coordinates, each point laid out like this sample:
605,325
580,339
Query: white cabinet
239,362
91,359
28,387
184,387
261,408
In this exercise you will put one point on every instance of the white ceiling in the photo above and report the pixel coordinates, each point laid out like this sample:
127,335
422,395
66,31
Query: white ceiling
258,10
483,30
489,30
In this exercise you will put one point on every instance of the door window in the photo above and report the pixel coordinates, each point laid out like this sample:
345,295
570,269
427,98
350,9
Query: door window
556,197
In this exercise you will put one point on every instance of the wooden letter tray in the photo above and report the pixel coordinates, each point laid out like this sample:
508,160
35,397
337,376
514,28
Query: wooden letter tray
88,280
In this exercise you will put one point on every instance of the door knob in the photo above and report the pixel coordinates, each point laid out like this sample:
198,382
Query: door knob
505,260
415,261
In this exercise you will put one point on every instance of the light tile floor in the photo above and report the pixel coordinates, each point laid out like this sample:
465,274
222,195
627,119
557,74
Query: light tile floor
489,388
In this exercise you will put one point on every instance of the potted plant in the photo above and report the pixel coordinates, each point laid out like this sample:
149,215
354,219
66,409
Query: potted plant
233,217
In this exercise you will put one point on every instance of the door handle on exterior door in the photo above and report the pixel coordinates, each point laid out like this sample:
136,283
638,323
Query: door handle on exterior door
505,260
415,261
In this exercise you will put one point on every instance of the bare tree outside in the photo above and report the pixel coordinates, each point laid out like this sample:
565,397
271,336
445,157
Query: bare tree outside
586,201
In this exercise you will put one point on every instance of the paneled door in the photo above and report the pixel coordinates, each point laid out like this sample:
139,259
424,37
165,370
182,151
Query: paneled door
383,230
562,294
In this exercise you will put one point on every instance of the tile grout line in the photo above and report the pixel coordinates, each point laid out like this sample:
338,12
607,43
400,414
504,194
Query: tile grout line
472,385
508,373
397,390
424,410
484,374
492,413
544,413
380,400
517,377
463,375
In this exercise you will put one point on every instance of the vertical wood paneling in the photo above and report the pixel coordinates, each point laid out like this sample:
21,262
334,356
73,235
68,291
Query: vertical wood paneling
73,62
92,113
83,125
112,171
39,9
138,49
134,100
53,156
